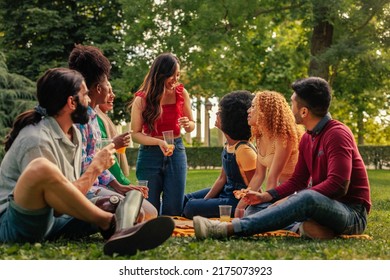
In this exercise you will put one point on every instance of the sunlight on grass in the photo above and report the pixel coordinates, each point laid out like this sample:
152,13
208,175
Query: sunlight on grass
249,248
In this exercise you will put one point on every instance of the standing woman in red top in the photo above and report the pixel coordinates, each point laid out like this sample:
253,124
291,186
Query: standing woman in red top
162,104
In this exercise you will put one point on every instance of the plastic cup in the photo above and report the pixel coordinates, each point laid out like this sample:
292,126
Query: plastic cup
168,137
101,143
225,212
143,183
240,212
121,150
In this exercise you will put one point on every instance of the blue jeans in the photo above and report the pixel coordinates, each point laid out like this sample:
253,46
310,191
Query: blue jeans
307,204
166,175
21,225
195,204
252,209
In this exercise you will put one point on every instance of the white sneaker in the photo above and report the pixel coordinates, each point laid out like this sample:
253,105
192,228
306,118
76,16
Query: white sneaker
314,230
205,228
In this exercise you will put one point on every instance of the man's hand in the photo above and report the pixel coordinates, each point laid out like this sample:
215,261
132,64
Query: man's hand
252,197
104,158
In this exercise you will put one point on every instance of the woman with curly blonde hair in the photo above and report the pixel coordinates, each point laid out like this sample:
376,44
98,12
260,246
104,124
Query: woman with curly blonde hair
277,137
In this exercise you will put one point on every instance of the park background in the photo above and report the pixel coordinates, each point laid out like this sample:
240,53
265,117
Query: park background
223,45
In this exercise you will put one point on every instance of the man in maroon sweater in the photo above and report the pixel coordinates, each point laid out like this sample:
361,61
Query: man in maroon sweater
328,193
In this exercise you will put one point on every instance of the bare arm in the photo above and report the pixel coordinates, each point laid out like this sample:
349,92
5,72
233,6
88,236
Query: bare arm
282,154
217,186
187,121
102,160
123,189
252,197
255,183
136,127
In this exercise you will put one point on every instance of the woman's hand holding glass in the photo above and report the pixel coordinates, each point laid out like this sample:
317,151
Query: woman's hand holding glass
122,141
169,143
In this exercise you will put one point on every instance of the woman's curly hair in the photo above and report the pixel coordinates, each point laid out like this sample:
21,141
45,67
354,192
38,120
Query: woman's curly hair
275,118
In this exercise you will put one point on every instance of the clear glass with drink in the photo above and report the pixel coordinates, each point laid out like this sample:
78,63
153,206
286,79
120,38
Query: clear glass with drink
121,150
169,138
142,183
101,143
225,212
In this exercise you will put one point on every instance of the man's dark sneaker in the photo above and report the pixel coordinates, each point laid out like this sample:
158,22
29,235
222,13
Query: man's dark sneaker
142,236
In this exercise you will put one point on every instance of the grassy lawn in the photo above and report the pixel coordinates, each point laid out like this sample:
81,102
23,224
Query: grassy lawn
267,248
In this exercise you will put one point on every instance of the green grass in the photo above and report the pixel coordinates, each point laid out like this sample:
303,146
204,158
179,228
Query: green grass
268,248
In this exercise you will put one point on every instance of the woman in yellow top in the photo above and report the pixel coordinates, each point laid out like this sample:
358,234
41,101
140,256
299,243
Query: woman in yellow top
238,159
277,137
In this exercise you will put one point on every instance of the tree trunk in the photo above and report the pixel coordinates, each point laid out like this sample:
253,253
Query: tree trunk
198,120
321,40
360,128
206,141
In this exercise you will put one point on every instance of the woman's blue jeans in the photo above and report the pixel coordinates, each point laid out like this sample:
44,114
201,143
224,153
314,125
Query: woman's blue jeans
195,204
166,175
307,204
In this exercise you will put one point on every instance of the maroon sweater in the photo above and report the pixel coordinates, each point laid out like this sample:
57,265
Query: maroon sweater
331,159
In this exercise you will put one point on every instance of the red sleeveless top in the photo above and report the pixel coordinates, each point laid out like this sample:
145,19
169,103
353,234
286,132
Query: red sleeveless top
169,117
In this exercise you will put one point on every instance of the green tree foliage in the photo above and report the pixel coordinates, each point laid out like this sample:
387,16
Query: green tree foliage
357,64
40,34
223,45
258,44
16,96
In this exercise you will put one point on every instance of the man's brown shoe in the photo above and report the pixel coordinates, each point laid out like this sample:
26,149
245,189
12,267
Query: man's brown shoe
142,236
314,230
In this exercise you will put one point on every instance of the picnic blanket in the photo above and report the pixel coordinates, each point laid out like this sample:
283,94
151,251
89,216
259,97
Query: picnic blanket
185,228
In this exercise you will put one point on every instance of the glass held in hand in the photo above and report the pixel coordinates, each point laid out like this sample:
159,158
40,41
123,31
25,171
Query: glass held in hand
101,143
169,138
142,183
125,139
121,150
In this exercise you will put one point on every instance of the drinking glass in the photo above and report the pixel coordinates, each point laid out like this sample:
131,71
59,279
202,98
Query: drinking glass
168,137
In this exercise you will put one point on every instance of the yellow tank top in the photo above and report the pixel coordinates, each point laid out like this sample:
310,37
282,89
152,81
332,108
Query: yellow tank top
267,159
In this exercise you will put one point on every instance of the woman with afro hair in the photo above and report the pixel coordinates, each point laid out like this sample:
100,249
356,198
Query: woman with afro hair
277,138
238,159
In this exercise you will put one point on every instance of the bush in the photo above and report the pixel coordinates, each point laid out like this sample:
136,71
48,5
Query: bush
197,157
377,157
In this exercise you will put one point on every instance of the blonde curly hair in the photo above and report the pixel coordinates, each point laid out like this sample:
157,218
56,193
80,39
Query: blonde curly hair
275,119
